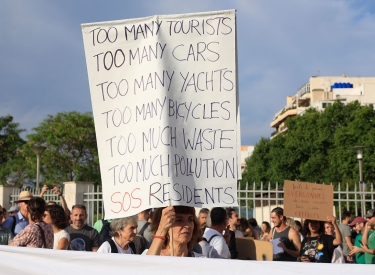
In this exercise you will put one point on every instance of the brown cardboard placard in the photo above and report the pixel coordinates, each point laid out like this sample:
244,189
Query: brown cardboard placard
308,200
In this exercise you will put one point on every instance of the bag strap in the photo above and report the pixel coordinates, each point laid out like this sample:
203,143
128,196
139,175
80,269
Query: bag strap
113,246
42,233
212,237
14,224
143,228
132,246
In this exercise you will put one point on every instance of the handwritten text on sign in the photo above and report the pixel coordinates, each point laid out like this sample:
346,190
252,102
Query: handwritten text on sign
308,200
163,91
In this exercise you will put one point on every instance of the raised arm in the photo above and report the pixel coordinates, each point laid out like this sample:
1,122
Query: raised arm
168,217
338,239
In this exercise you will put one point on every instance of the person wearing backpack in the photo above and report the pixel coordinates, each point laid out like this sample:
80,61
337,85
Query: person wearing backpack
124,231
144,226
218,235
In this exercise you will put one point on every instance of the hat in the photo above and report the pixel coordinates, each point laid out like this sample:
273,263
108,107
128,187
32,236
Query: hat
357,220
24,196
370,213
14,208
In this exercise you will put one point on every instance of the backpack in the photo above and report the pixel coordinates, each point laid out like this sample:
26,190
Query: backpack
105,232
114,247
140,242
138,245
13,225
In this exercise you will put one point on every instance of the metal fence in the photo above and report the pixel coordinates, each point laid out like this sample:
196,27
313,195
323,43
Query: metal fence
48,196
250,199
267,196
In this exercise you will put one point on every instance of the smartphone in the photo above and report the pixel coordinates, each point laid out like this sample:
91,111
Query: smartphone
50,186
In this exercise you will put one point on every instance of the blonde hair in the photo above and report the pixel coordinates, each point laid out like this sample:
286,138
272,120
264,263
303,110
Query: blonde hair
290,222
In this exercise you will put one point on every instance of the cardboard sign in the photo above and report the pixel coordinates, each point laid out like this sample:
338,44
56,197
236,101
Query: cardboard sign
165,104
308,200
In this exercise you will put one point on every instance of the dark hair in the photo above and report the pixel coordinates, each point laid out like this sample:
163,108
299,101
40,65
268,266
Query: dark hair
253,222
57,214
244,224
278,211
229,212
268,229
218,216
178,210
79,206
306,229
345,214
36,207
204,210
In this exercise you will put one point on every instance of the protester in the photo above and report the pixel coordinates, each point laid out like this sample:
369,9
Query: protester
37,233
123,231
329,229
290,240
13,210
203,215
266,229
317,246
82,236
55,216
185,230
292,223
144,226
254,224
369,240
57,191
233,221
245,228
358,224
346,234
214,235
20,222
6,235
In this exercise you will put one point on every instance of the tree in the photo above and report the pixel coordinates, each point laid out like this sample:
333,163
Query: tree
316,147
10,142
71,153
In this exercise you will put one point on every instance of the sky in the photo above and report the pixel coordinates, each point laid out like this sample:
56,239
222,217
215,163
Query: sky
280,45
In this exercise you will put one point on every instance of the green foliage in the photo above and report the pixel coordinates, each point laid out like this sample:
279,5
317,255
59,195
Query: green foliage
315,148
71,152
10,142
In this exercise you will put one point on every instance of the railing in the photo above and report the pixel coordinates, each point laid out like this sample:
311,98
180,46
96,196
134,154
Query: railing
48,196
254,200
260,201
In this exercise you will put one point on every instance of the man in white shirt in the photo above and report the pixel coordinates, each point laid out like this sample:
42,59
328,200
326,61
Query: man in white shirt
214,234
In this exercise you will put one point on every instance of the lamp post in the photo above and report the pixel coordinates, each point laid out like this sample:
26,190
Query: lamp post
362,184
38,150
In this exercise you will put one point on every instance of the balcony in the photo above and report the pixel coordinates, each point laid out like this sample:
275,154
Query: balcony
282,117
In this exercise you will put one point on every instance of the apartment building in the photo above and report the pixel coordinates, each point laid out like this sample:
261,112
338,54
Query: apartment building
322,91
246,152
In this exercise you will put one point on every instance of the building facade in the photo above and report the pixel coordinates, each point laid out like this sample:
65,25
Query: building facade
322,91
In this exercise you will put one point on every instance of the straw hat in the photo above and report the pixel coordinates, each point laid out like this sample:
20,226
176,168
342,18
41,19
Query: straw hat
24,196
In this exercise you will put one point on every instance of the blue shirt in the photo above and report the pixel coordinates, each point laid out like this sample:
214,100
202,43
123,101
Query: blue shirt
21,223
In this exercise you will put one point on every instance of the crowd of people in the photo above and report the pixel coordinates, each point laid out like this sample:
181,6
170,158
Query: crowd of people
177,231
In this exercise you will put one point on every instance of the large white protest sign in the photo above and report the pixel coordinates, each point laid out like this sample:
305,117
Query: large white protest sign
164,97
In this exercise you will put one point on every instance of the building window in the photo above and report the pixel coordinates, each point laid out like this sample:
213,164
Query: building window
324,105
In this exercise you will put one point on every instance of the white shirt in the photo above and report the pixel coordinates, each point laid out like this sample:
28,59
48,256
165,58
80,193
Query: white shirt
58,236
106,248
238,233
217,242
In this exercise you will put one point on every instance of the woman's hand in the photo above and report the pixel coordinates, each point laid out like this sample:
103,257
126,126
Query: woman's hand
305,259
355,250
331,219
167,220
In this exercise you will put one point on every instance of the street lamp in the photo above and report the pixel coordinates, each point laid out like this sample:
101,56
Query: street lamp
362,184
38,150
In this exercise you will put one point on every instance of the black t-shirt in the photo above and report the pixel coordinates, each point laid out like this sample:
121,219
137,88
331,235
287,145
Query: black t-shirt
318,249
